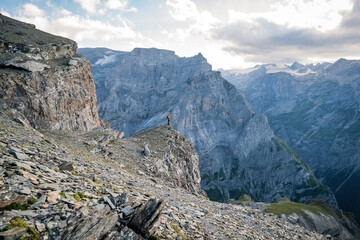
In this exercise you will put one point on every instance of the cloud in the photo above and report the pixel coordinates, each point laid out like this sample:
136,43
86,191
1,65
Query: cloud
81,29
182,10
252,32
91,6
120,5
32,10
198,22
328,31
65,12
322,15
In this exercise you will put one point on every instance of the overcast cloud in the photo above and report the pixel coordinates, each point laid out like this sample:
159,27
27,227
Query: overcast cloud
230,34
262,40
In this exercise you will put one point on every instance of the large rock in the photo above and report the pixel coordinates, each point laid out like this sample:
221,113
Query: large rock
90,224
37,81
9,196
146,216
315,108
12,234
239,153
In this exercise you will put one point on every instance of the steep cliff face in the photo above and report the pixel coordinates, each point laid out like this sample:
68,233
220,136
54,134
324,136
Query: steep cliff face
239,153
318,115
43,78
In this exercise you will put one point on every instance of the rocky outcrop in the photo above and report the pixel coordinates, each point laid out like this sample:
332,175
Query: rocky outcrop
105,196
317,113
170,157
43,79
239,153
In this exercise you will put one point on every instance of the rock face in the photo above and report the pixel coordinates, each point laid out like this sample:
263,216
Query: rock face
171,157
43,78
239,154
315,108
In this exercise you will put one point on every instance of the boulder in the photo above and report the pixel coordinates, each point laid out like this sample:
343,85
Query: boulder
89,224
146,216
12,234
146,150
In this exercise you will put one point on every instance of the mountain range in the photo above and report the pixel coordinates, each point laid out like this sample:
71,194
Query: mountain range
315,109
65,174
239,153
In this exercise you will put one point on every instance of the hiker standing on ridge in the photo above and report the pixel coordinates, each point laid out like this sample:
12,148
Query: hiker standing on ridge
168,118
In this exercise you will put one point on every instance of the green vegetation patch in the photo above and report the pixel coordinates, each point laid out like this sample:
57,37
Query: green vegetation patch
31,201
286,207
19,206
15,206
19,222
80,196
350,216
244,198
293,152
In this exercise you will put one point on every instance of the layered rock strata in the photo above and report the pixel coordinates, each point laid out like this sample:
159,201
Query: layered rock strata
43,78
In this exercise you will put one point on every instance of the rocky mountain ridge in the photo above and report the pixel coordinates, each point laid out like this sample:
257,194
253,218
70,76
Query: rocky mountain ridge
42,77
58,185
318,115
239,154
92,184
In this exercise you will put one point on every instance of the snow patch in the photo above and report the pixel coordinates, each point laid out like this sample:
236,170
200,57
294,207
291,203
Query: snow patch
106,60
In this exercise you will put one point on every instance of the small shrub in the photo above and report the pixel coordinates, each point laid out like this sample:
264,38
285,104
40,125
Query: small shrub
153,237
15,206
31,201
79,196
18,222
62,193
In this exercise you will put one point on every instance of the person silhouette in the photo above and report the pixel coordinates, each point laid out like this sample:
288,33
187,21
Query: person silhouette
168,118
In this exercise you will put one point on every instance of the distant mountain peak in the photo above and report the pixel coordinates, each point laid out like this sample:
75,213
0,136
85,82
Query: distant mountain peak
340,61
296,65
200,55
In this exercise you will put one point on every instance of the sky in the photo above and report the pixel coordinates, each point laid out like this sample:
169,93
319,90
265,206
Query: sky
231,34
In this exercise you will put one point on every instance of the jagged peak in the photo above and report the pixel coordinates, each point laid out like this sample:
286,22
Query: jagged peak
296,65
199,55
340,61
